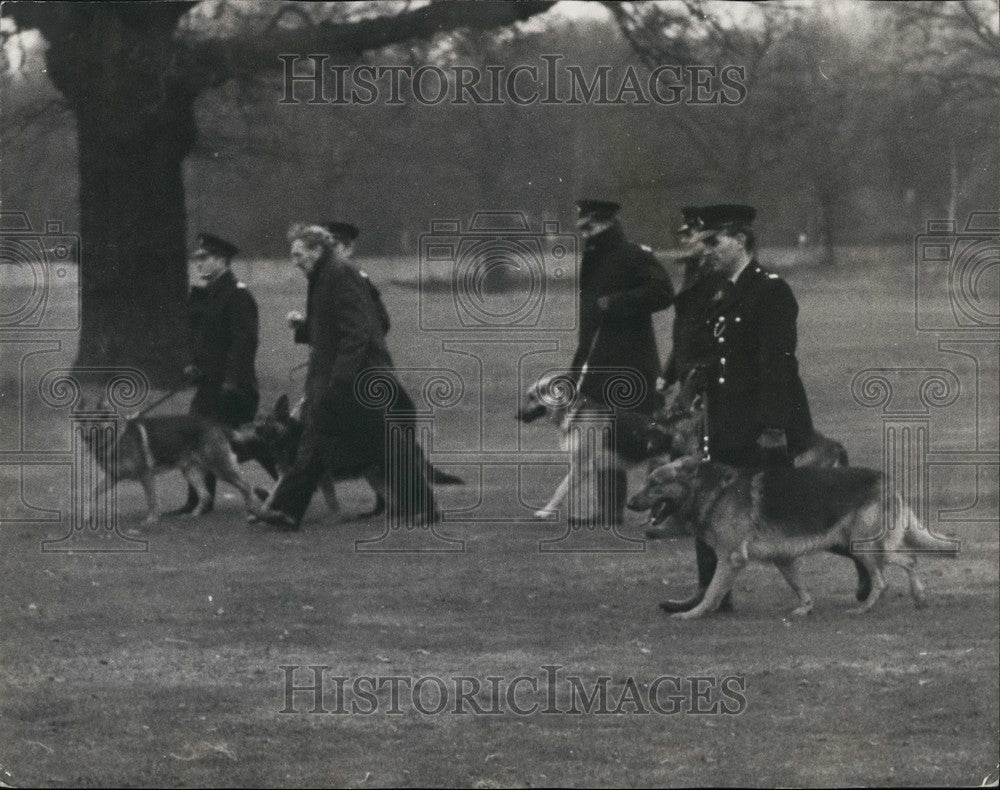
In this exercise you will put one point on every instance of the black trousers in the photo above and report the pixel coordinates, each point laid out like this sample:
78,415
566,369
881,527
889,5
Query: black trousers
404,471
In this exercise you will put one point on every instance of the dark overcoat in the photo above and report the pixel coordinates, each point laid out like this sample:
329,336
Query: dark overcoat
621,336
224,333
753,380
344,328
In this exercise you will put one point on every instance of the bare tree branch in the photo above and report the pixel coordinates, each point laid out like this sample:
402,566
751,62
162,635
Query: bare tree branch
248,54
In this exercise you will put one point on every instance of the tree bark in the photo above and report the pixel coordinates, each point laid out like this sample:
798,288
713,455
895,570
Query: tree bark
133,272
116,65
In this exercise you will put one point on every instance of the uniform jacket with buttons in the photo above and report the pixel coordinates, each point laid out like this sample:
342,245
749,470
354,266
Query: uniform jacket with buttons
621,336
689,344
753,384
224,330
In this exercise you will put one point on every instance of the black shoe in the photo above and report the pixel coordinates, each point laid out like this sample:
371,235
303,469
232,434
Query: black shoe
655,533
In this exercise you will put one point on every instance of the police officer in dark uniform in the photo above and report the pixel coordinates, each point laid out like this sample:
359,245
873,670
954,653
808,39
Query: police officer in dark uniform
757,411
223,323
621,286
688,347
691,303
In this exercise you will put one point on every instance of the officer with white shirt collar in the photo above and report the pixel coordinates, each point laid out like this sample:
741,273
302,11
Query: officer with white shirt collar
757,407
757,412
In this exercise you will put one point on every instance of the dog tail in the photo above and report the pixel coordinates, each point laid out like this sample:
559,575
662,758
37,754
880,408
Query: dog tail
444,479
919,538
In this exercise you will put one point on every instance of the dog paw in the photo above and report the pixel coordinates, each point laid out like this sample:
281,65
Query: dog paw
859,610
691,615
802,611
544,514
152,518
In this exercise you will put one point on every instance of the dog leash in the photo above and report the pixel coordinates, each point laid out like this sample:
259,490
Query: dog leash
158,401
586,362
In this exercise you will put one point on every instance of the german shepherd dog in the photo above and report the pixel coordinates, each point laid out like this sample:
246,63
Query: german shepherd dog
148,446
553,397
779,514
280,432
677,431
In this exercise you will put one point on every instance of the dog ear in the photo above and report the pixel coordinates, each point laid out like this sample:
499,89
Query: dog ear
281,408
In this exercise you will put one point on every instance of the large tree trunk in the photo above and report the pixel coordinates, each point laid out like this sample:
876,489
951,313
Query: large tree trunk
117,69
133,271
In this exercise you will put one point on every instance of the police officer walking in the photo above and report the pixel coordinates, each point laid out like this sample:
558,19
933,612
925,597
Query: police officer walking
691,303
222,317
757,411
621,286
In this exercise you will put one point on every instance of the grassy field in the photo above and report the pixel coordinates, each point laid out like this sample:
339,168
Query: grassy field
164,667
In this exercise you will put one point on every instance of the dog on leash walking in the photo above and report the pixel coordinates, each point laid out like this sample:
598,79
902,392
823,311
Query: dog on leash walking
280,432
148,446
780,514
553,397
677,431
